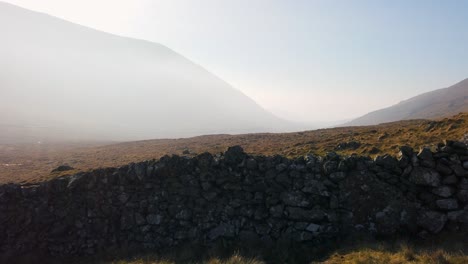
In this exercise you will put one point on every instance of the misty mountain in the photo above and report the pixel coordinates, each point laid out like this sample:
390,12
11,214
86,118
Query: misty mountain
60,80
436,104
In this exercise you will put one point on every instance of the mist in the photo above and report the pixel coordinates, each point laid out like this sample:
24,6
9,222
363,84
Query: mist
61,81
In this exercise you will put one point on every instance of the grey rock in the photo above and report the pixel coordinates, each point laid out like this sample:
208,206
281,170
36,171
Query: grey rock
223,230
447,204
62,168
281,167
314,228
139,219
312,215
450,179
426,158
123,198
277,210
432,221
444,169
459,170
425,177
406,151
251,164
153,219
444,191
337,176
234,155
296,199
465,165
462,195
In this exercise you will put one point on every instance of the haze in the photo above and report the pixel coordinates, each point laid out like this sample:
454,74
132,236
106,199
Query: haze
306,61
62,80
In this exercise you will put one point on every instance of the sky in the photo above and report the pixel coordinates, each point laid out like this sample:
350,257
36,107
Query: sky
307,61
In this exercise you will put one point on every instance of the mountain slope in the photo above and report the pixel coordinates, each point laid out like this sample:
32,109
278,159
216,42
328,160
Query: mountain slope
436,104
62,80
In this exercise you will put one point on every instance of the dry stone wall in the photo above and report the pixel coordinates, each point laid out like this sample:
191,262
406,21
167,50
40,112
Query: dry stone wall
235,196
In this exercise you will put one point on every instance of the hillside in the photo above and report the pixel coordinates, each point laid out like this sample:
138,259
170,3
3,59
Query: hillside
62,81
34,162
436,104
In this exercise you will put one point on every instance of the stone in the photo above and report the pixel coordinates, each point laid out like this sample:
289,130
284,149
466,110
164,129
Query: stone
444,169
139,219
447,204
153,219
388,162
330,166
458,145
424,176
123,198
126,221
314,228
462,195
406,151
140,170
337,176
432,221
455,216
451,179
281,167
223,230
426,158
234,155
76,181
459,170
277,210
184,214
463,184
296,199
465,165
353,145
312,215
283,179
251,164
62,168
444,191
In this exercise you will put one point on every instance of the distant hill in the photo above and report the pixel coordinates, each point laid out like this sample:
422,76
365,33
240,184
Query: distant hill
436,104
59,80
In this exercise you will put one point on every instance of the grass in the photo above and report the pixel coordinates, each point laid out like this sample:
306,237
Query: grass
446,249
38,160
235,259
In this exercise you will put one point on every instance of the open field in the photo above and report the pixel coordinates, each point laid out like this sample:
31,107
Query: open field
34,162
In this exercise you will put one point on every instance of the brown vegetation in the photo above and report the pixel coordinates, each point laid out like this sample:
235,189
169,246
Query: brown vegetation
32,163
449,248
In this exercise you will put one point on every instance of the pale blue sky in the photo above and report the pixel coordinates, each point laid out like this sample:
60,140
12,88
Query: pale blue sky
303,60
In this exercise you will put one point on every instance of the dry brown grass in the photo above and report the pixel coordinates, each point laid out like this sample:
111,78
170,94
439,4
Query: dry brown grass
151,259
38,160
444,250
